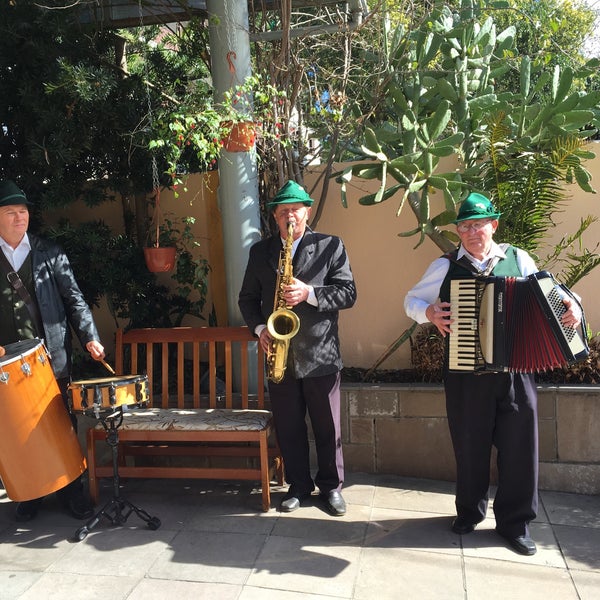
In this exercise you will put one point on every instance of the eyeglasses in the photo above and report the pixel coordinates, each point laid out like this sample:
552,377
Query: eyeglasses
285,210
476,225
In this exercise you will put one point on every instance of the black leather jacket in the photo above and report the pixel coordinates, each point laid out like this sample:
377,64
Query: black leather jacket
61,303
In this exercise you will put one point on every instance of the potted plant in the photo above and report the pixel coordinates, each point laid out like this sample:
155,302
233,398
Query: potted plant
190,138
248,111
161,252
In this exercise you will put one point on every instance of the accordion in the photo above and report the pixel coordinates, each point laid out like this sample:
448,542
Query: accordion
512,324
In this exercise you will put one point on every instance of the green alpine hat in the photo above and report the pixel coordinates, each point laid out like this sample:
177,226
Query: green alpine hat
291,192
11,194
476,206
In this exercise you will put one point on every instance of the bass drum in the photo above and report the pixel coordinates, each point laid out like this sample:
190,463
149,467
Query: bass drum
39,449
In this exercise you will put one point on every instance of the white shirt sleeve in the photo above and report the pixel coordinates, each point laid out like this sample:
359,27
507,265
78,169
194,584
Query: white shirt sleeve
426,291
526,264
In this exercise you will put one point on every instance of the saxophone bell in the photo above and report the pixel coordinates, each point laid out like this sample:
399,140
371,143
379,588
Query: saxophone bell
283,324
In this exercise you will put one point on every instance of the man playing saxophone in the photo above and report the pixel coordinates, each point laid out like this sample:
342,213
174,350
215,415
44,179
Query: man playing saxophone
300,271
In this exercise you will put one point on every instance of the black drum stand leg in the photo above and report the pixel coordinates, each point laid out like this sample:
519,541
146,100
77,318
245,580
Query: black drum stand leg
117,509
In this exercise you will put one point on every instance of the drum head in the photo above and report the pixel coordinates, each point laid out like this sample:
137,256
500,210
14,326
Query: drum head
17,349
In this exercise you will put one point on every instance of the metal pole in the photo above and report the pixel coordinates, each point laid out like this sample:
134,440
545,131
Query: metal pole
238,174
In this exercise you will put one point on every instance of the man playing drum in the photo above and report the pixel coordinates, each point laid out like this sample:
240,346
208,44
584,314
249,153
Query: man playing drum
48,304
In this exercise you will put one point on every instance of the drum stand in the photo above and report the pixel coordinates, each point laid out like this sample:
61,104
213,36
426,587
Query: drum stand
118,509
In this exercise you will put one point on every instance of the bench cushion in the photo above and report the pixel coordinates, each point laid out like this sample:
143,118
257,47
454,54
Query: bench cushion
210,419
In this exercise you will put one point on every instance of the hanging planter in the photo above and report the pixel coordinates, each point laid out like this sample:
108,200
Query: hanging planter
239,137
160,259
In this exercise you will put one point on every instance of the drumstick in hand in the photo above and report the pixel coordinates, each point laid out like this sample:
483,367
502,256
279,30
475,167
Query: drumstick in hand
110,369
2,351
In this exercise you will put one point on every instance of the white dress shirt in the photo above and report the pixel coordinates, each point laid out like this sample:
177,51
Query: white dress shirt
16,256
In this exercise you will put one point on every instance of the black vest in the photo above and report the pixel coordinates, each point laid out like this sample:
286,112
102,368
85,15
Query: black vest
506,267
16,323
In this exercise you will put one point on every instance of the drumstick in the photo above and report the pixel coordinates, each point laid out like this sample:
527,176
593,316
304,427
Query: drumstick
110,369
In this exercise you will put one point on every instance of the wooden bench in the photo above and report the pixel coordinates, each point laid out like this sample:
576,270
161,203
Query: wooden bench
218,426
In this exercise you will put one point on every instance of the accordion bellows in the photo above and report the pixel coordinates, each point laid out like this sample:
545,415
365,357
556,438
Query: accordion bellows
512,324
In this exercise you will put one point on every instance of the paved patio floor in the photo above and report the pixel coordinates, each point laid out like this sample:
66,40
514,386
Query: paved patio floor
215,543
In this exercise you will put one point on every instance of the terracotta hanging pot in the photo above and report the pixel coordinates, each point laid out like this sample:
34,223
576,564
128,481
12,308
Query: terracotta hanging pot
240,137
160,259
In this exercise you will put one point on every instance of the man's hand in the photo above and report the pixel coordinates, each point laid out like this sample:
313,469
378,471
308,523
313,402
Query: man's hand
265,340
96,349
441,316
296,292
572,317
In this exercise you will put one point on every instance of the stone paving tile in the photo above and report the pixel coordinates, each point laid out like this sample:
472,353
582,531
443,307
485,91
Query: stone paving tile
296,564
392,573
499,580
572,509
15,583
313,523
404,529
406,494
158,589
580,546
120,551
252,593
587,583
57,586
212,557
33,548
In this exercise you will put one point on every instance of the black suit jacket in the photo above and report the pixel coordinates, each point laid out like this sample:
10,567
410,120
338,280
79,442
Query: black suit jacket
321,261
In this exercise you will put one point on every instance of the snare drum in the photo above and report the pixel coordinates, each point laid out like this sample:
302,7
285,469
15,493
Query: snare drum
95,395
39,449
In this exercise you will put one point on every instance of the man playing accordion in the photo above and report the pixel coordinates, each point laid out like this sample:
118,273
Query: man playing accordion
492,408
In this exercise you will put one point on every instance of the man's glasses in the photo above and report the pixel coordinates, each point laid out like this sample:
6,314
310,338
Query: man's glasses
476,225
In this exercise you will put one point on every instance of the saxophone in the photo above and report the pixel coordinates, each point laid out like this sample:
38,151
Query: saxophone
283,324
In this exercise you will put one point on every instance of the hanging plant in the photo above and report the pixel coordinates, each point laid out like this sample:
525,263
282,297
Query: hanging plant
160,255
238,137
191,139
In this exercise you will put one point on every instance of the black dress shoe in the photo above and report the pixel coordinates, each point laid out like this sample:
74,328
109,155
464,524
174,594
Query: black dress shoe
334,503
462,525
292,501
79,507
27,510
522,544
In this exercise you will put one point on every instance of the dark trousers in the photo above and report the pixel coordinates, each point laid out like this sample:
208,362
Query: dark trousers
290,401
495,409
76,487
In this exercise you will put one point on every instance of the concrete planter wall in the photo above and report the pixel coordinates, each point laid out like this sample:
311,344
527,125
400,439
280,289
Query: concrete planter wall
402,429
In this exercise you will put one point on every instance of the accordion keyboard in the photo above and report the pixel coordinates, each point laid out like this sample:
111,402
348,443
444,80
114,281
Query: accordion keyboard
464,349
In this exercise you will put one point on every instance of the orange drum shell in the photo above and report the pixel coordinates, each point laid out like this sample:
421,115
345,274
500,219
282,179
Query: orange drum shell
98,392
39,449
